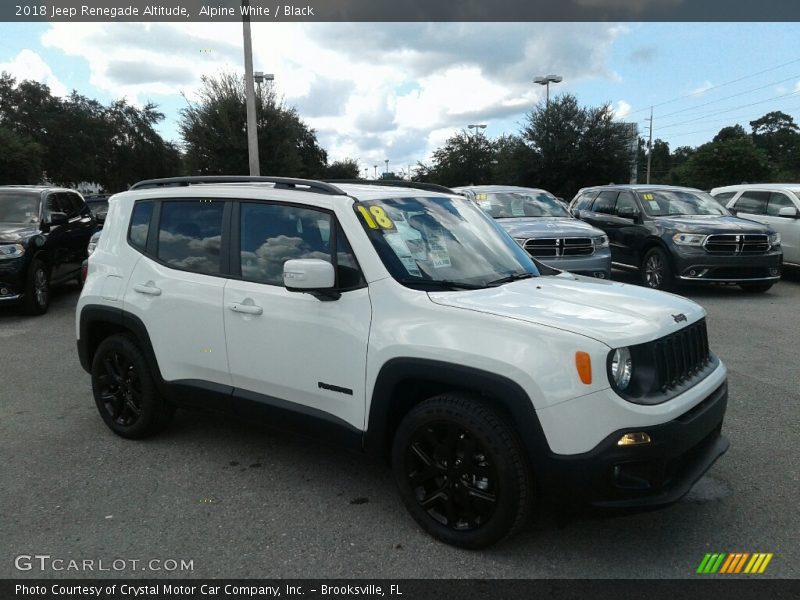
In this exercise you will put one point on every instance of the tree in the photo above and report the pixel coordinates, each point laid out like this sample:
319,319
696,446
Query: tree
577,146
660,161
343,169
465,159
734,132
723,163
20,158
214,130
514,162
779,136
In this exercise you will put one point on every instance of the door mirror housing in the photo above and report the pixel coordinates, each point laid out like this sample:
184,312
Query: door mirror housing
57,218
628,212
312,275
788,211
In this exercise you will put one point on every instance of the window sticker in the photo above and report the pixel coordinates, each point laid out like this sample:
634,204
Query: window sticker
376,217
654,205
400,248
517,208
437,249
648,196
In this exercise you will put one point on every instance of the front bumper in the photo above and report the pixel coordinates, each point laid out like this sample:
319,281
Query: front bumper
699,266
597,265
647,475
12,279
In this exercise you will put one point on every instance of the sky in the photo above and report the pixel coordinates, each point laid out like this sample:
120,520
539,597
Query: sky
397,91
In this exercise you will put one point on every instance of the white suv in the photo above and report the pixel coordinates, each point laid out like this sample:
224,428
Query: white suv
484,377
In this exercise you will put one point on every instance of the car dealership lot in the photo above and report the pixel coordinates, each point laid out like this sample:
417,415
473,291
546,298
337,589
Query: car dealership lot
244,501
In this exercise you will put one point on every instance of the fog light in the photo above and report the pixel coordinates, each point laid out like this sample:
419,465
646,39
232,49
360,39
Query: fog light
600,275
692,273
3,291
634,439
774,271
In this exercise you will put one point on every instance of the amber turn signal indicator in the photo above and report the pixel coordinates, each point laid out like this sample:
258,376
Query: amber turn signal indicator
583,363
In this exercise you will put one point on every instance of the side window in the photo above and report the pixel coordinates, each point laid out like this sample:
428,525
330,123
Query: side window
189,235
271,234
55,204
348,275
724,197
583,201
76,204
777,201
626,200
605,201
753,203
140,225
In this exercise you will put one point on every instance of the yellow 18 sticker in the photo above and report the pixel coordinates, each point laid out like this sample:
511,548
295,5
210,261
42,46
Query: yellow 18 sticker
376,217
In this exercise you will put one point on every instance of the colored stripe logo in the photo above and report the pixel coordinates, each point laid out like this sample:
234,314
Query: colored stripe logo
735,562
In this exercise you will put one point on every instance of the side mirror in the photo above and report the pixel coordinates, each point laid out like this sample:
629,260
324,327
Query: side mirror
311,275
628,212
788,211
58,218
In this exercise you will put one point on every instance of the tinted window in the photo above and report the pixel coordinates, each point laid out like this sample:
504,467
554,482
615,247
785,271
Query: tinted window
140,224
503,205
55,203
75,203
778,201
271,234
724,197
626,200
189,235
754,203
604,203
18,207
583,201
348,273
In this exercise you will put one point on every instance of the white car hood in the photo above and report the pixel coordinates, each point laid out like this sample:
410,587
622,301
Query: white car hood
615,314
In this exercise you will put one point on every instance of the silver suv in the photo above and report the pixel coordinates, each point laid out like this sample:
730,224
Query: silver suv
544,228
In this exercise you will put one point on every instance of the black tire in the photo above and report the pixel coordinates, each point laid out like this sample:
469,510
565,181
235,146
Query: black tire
755,288
455,454
37,289
124,390
656,270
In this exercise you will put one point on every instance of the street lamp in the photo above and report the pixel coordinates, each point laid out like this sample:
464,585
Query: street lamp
376,171
477,127
250,93
387,165
260,77
546,81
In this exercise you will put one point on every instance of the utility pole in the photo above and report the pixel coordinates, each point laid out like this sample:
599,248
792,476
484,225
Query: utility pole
250,92
650,146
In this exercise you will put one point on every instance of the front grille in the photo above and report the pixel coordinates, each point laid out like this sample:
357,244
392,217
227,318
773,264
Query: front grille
544,247
740,273
681,355
732,243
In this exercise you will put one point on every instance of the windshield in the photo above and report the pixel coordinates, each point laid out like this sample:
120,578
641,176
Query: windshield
660,203
505,205
442,242
16,207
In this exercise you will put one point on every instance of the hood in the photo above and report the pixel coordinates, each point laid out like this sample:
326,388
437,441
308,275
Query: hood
615,314
712,224
528,227
14,232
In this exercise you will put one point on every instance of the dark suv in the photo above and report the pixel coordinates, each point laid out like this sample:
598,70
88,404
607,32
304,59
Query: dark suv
44,233
680,235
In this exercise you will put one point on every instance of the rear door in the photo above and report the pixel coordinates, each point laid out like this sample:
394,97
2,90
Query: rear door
788,227
752,204
602,215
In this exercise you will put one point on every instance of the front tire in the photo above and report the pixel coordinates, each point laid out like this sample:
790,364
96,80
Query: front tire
37,289
755,288
656,270
125,392
461,471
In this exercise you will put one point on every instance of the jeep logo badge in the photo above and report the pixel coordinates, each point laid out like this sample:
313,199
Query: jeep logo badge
679,317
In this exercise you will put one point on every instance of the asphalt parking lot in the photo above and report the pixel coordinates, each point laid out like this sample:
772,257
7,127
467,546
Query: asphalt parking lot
244,501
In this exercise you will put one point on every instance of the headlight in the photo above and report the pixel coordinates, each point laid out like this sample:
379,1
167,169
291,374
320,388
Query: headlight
775,239
689,239
621,368
11,251
601,242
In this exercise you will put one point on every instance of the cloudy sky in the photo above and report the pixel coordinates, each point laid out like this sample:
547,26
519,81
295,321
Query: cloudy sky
376,91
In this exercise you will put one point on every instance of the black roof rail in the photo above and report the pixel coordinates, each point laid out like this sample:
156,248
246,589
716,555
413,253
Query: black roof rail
430,187
287,183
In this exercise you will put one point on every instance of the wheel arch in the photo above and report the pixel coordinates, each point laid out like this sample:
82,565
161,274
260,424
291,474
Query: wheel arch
402,383
655,242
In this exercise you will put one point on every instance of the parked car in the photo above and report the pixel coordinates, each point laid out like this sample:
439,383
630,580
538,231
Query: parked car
44,232
776,205
545,228
681,235
98,204
89,249
485,384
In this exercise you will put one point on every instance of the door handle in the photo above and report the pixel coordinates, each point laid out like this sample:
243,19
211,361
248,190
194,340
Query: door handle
150,290
248,309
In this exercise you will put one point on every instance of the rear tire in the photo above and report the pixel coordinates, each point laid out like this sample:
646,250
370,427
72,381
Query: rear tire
656,270
755,288
37,289
125,392
461,471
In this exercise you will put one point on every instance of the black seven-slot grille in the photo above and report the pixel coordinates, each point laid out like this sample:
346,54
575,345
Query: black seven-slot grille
681,355
732,243
539,247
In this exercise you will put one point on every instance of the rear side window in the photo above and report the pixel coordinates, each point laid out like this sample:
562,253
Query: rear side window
777,201
724,197
583,201
190,234
140,225
753,203
605,202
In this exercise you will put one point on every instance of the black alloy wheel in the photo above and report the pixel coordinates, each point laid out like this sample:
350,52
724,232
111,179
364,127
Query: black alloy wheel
656,270
37,289
461,470
120,389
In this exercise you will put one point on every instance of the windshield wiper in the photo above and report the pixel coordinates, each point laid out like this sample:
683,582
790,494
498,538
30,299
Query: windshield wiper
443,284
510,278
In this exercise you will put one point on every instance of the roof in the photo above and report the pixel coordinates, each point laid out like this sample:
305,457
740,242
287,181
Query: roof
639,187
758,186
498,188
35,188
370,192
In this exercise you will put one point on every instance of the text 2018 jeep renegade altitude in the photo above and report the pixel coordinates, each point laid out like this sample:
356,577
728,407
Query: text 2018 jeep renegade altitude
411,324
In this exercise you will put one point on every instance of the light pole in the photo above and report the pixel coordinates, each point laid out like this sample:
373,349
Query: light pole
386,172
250,92
376,171
477,127
366,172
546,81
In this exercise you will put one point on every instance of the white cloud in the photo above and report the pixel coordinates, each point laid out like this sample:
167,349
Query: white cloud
622,109
29,65
701,89
371,90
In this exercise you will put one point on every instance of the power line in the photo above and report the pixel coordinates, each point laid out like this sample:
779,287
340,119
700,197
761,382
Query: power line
715,87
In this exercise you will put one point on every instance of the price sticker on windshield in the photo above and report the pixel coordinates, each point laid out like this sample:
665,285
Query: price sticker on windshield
648,196
376,217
